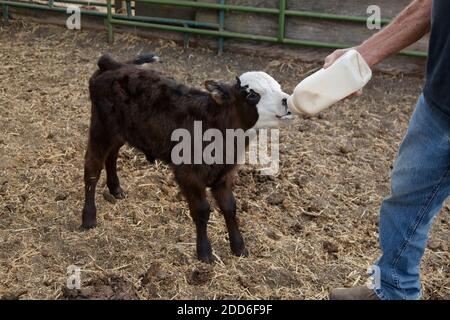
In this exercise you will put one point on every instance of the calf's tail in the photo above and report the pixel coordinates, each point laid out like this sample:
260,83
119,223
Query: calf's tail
107,62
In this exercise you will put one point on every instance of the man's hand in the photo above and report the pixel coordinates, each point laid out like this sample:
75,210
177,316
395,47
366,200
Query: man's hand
329,60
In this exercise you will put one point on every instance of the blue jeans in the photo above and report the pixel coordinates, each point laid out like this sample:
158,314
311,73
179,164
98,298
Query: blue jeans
420,183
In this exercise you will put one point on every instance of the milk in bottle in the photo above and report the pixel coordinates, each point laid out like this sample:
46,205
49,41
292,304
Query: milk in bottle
346,75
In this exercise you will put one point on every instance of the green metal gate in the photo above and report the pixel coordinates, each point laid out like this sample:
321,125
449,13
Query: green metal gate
202,28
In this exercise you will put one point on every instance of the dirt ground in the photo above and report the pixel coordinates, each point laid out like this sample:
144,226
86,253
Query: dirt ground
312,228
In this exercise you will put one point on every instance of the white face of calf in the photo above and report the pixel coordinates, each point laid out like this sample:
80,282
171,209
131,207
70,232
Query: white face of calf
272,108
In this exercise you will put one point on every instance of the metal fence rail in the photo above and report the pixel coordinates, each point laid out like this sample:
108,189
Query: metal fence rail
50,7
203,28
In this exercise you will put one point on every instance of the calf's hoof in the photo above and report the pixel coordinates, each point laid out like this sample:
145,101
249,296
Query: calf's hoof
89,219
208,258
240,251
86,225
117,192
204,252
150,158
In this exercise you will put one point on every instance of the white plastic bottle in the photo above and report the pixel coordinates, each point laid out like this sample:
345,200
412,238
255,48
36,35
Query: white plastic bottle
346,75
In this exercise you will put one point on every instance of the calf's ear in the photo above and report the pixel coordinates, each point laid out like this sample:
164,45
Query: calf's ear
253,97
238,82
211,85
216,92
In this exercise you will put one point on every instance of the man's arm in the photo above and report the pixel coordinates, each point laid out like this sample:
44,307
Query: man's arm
408,27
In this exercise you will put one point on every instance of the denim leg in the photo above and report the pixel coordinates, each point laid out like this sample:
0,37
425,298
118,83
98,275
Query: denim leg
420,183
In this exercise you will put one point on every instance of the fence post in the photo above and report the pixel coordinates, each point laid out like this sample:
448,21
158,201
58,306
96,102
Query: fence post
281,21
129,11
5,12
108,21
221,28
186,36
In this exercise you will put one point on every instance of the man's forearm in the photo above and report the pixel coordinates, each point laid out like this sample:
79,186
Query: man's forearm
408,27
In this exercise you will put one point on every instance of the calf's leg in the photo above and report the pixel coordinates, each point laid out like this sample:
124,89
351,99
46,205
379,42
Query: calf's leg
195,194
200,211
225,199
93,164
112,180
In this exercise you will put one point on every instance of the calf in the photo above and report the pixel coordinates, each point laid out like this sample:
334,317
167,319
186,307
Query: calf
142,107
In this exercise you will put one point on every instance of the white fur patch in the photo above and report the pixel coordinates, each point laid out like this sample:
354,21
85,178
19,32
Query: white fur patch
271,108
148,65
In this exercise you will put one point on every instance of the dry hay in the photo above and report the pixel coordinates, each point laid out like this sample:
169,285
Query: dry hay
312,228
